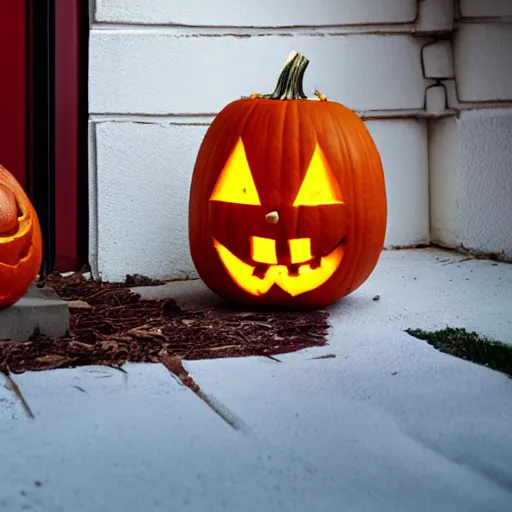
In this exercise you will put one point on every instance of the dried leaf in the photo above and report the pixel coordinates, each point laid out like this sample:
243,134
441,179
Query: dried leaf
53,360
78,304
145,334
223,347
119,326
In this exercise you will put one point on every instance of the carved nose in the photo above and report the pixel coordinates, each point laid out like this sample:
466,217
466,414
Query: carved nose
272,217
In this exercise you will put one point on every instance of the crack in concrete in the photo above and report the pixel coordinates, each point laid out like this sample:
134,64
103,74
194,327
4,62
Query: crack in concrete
175,366
11,384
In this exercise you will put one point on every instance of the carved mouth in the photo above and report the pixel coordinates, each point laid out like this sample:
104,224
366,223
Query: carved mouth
295,279
15,246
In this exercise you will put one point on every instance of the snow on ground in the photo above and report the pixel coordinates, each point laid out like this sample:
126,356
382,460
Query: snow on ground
389,424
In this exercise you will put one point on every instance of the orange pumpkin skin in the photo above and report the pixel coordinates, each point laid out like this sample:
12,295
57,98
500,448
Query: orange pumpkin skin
20,240
280,138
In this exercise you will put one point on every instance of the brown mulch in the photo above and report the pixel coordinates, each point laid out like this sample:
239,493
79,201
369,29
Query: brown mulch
111,325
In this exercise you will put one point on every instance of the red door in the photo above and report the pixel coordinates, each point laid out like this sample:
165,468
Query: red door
43,118
13,112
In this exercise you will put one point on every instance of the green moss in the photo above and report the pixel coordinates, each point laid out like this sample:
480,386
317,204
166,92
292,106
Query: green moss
470,346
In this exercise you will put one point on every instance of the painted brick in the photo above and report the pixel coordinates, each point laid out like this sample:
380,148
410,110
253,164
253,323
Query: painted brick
435,99
403,146
435,16
471,180
265,13
143,178
159,73
485,8
482,57
438,60
452,100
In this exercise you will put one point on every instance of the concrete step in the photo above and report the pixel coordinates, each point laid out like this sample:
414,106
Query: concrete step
40,308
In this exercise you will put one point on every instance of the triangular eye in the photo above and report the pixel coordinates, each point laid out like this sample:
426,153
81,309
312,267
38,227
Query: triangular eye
235,183
319,185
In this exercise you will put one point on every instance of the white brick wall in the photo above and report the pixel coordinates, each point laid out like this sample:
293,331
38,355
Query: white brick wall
435,15
143,182
471,180
471,156
143,178
159,70
265,13
403,146
483,61
438,60
485,8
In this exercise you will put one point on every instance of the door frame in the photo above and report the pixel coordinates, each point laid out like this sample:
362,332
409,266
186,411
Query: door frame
57,85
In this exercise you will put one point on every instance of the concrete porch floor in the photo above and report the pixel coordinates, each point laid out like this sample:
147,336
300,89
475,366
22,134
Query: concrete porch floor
389,424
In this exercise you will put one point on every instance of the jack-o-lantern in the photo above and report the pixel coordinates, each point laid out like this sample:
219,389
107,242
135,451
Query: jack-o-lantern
287,203
20,240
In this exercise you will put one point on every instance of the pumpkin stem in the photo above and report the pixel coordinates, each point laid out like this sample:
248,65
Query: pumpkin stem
289,83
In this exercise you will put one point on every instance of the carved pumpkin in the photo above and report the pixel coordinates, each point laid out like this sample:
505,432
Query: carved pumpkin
20,240
287,202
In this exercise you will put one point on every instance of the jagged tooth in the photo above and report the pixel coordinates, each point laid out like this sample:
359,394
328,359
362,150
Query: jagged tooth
260,270
315,263
293,270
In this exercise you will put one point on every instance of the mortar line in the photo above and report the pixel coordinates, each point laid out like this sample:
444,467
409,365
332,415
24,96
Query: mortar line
398,28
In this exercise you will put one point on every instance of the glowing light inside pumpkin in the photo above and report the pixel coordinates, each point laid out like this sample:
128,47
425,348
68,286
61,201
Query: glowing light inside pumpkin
15,231
305,280
300,250
263,250
235,183
319,186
